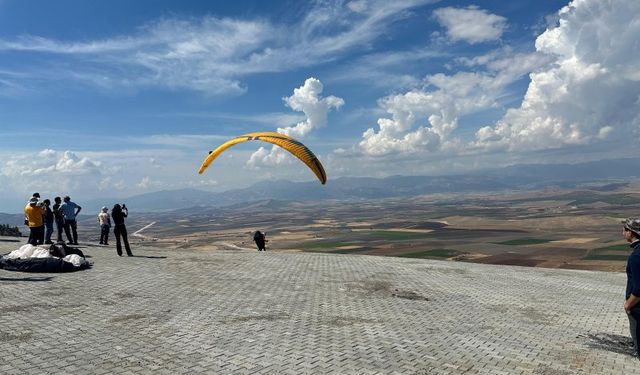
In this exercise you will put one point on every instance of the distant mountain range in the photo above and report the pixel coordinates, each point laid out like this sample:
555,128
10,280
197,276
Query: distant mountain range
526,177
521,177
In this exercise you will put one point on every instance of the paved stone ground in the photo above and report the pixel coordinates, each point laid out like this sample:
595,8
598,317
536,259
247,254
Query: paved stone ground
241,312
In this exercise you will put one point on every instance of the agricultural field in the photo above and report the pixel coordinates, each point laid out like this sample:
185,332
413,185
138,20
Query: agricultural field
576,229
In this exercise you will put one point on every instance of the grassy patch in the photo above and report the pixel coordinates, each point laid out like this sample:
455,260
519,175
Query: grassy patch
614,199
597,256
433,253
390,235
523,241
622,247
334,250
324,245
350,251
613,252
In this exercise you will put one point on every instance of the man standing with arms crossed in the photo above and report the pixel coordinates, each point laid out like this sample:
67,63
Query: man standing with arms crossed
631,233
70,210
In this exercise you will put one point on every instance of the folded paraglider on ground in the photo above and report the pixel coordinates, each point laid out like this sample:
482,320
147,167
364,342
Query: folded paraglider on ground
50,258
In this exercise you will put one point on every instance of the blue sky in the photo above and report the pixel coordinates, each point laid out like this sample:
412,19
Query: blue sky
115,98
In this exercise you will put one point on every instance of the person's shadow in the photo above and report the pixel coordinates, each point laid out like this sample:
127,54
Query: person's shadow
611,342
11,279
148,256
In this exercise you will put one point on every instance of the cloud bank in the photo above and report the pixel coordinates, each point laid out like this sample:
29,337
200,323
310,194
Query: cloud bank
583,89
51,170
590,92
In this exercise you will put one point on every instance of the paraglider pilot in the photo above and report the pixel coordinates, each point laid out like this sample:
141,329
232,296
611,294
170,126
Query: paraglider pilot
260,239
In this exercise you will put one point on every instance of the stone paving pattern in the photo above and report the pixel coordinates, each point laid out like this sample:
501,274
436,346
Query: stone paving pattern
242,312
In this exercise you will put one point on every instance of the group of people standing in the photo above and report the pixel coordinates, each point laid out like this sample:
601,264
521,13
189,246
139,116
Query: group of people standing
118,213
40,217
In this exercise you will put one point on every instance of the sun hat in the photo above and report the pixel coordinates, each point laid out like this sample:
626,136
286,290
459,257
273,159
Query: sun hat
632,224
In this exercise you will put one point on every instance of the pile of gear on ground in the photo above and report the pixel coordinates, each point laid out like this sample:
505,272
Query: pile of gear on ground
45,258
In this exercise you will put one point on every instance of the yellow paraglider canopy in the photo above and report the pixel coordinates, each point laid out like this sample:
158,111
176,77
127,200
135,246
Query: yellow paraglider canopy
296,148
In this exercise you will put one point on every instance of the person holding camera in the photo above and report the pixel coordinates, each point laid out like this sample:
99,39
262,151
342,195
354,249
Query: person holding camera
118,213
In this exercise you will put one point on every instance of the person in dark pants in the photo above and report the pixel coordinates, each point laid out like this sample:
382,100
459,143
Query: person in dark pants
44,213
59,217
260,240
48,221
34,215
70,210
118,213
631,233
105,224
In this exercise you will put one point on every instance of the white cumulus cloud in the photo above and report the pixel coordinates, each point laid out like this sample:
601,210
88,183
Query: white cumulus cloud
590,92
425,120
471,24
50,170
307,99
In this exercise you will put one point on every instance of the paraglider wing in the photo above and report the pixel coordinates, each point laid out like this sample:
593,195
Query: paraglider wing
294,147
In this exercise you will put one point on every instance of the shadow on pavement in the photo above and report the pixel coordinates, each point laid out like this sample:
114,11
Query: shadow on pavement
11,279
148,257
612,343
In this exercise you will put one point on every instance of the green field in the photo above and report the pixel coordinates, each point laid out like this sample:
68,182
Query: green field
623,247
333,248
614,199
324,245
390,235
433,253
613,252
597,256
523,241
587,197
350,251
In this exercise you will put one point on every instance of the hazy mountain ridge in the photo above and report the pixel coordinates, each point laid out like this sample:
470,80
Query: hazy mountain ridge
528,177
515,177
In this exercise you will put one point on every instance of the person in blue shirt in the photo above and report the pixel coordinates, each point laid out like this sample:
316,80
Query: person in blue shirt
70,211
631,233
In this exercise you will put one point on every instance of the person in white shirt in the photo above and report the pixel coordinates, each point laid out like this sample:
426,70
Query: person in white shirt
105,225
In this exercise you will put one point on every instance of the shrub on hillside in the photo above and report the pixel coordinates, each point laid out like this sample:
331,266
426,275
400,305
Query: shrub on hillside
6,230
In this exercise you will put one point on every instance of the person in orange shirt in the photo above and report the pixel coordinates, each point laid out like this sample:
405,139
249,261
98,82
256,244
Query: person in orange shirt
35,219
